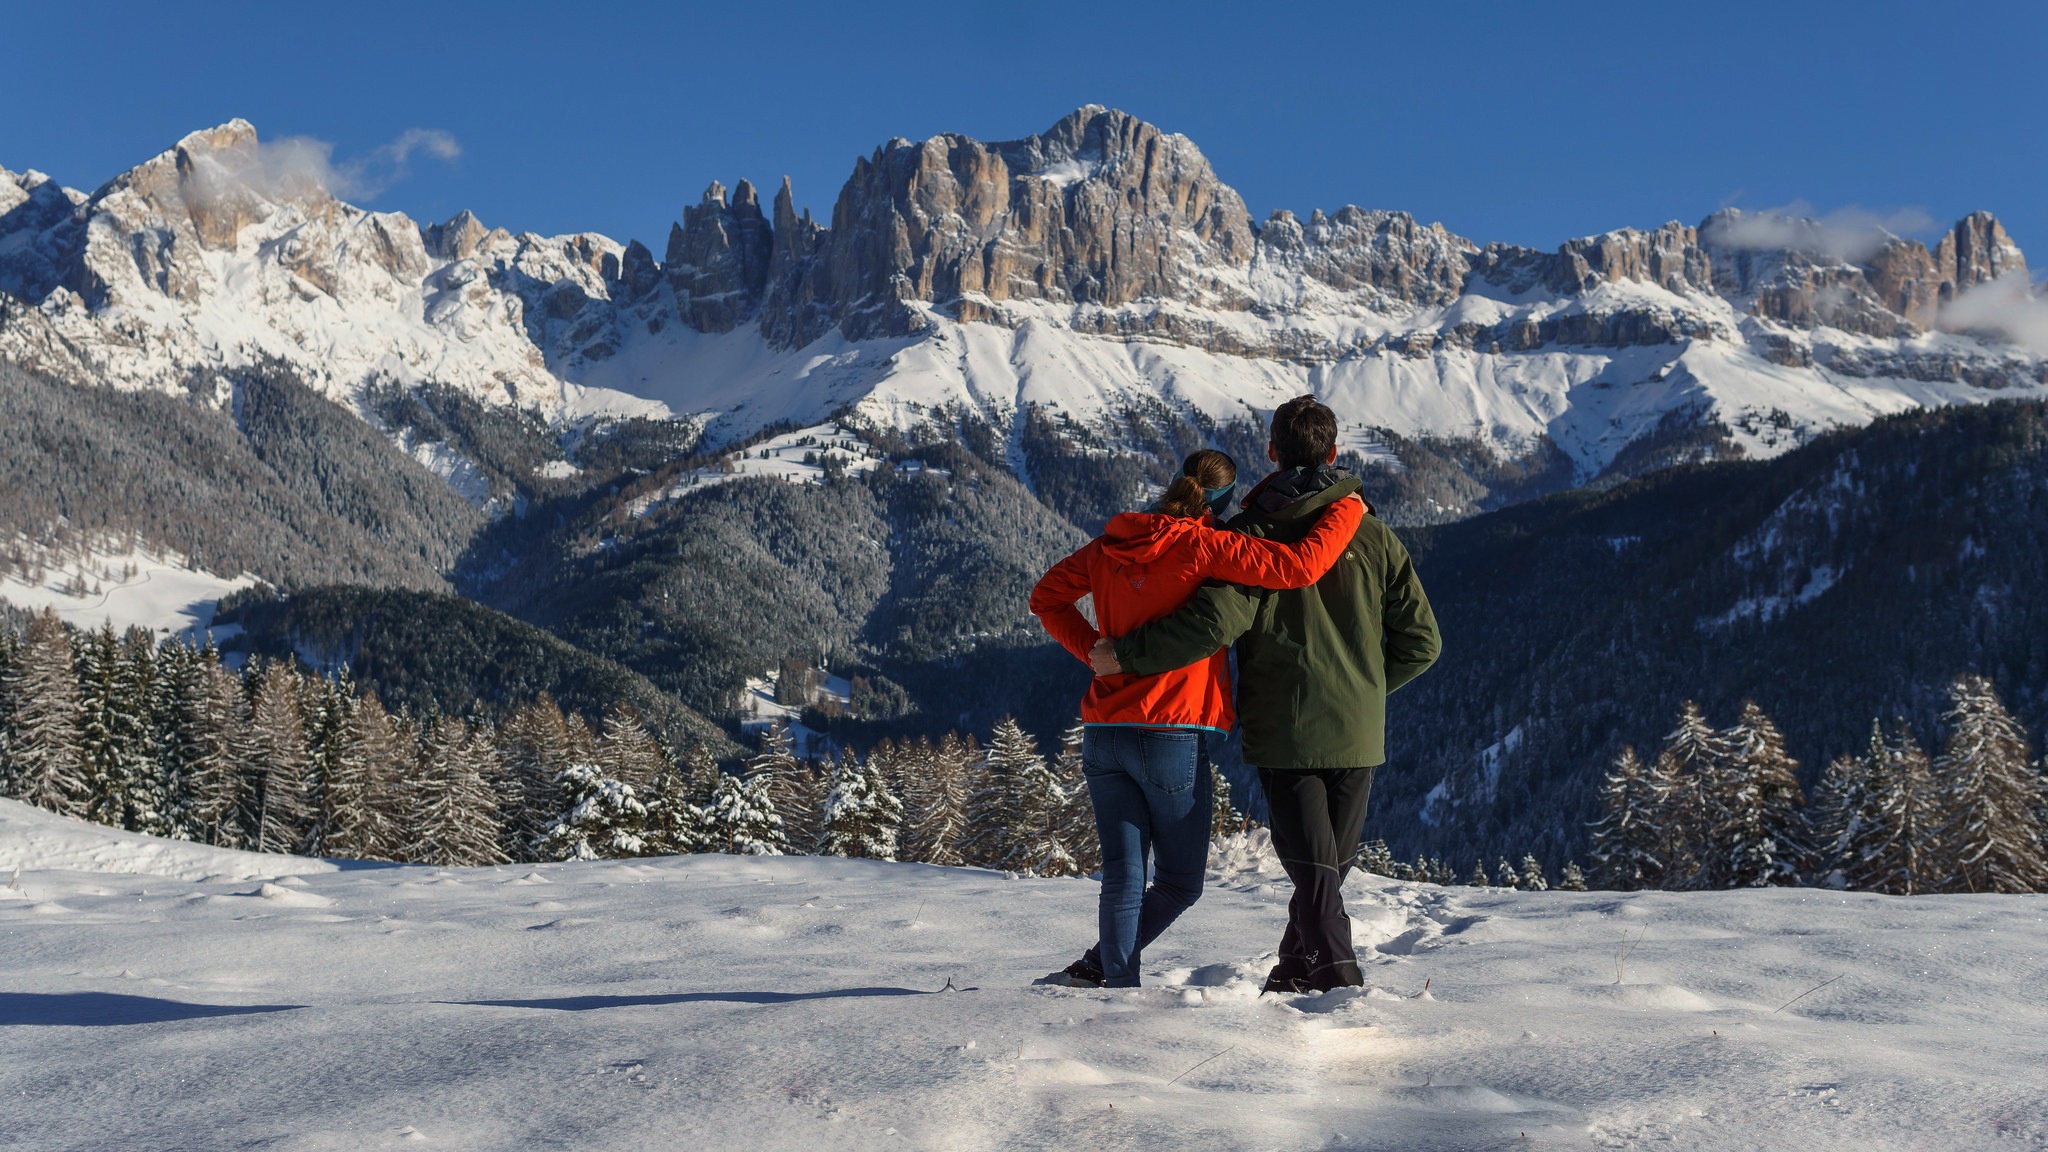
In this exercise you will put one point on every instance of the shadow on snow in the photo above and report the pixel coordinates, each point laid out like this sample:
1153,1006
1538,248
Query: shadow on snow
104,1009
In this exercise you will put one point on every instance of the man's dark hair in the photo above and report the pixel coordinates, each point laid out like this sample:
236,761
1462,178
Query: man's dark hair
1304,431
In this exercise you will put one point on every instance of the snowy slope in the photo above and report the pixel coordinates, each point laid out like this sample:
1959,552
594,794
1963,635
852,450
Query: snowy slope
139,588
725,1002
35,841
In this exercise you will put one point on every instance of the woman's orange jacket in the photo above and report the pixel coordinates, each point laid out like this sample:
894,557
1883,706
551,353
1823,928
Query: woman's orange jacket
1145,565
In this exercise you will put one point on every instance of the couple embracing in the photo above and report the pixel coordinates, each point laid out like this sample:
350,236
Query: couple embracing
1327,617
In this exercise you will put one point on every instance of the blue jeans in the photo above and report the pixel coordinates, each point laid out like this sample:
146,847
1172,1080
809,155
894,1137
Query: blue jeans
1151,791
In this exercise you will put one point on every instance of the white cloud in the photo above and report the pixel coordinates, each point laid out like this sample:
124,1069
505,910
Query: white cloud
296,165
1850,233
2008,306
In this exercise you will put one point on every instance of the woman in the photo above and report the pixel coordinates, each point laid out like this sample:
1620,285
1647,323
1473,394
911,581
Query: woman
1145,751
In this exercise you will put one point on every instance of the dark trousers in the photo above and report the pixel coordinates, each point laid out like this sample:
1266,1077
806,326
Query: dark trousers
1317,817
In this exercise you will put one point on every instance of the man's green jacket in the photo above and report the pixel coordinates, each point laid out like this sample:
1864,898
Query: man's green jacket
1314,664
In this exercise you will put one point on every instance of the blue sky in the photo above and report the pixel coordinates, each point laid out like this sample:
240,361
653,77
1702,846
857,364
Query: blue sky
1522,122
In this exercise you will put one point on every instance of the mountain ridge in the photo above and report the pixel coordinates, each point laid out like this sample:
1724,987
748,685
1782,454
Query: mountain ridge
1098,265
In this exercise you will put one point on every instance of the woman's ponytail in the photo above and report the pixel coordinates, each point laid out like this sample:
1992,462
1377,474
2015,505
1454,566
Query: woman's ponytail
1201,473
1183,497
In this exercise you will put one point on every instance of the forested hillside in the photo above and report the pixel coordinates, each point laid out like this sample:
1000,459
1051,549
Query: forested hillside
1848,581
437,654
280,482
916,573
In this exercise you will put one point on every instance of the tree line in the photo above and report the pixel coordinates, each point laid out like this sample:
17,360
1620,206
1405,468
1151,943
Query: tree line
1724,808
165,739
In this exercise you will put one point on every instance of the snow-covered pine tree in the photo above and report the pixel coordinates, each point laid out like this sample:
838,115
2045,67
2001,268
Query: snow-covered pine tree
700,769
601,819
1077,822
10,659
533,747
1691,778
626,752
104,754
1505,876
1897,847
1532,878
366,793
1038,807
139,692
45,766
1628,838
675,823
936,803
454,814
1990,837
741,818
1225,820
993,819
1478,878
1833,818
793,787
275,760
1757,842
862,815
327,705
1573,880
211,729
1372,856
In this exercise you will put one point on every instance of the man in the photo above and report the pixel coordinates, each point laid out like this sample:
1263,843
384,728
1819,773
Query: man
1314,668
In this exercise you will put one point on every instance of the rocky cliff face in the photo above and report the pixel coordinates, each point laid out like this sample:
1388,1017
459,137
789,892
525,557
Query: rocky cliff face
1098,264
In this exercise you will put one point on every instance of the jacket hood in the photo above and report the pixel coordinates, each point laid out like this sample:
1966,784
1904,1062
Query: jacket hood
1296,492
1142,537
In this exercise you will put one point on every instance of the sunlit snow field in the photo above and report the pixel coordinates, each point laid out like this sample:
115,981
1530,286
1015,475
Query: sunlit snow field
158,996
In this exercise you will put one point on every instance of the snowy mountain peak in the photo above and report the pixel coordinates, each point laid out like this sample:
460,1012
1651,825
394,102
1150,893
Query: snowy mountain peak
1094,267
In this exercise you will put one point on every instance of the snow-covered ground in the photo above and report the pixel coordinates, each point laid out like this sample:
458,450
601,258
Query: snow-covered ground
143,588
723,1002
797,457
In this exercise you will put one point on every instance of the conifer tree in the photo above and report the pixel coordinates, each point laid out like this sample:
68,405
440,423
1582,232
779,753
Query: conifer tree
1372,856
212,726
1532,878
454,815
1839,833
365,796
1038,822
741,818
1225,821
792,787
1505,876
675,823
1077,822
46,768
533,749
274,760
1573,880
626,752
327,706
1478,878
1628,839
994,821
862,816
700,770
1689,775
1990,837
10,663
117,686
936,806
1898,847
1757,841
601,818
